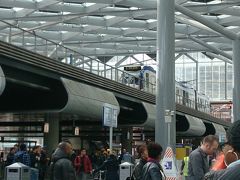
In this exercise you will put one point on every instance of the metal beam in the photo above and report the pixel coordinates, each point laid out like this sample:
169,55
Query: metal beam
219,57
190,57
178,56
214,49
136,60
121,61
214,26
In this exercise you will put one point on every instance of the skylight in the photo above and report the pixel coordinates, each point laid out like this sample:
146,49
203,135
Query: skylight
17,9
133,8
89,4
151,20
109,17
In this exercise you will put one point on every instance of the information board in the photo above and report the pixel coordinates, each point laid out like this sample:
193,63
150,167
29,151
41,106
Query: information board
110,114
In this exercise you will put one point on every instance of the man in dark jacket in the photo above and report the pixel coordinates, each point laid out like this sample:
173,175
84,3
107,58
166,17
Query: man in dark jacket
61,166
152,170
198,164
10,157
143,155
111,166
35,156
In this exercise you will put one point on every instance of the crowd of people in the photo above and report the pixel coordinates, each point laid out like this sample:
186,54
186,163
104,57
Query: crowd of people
35,158
79,167
200,166
65,164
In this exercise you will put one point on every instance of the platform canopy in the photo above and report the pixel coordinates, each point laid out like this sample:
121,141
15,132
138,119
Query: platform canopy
106,28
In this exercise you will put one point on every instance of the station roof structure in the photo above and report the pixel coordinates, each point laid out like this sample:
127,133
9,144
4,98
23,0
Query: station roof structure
103,29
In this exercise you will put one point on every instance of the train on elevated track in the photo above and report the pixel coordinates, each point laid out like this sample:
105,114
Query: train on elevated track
144,78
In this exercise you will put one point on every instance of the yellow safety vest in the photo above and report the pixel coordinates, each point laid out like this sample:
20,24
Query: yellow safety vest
185,169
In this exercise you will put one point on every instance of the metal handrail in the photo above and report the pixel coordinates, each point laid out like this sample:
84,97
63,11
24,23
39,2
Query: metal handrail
87,66
92,65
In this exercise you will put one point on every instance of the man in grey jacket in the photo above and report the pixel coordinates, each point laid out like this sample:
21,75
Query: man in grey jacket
198,164
61,167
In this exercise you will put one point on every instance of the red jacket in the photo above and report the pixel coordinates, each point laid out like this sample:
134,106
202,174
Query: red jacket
219,164
78,162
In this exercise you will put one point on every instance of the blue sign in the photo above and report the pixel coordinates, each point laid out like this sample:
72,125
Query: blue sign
168,165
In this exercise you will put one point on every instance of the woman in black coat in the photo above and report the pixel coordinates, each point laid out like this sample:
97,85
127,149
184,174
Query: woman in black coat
111,166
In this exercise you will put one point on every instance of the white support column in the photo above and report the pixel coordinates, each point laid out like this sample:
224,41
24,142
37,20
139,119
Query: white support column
225,80
165,97
236,81
196,76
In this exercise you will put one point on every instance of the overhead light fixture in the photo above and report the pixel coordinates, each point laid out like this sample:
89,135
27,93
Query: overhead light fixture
46,128
76,131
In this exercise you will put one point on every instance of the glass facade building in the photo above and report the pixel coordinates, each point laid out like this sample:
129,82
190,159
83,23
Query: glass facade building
214,77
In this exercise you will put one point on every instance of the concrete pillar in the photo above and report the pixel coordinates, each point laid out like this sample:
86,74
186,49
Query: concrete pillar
236,81
51,139
225,80
165,96
127,139
196,75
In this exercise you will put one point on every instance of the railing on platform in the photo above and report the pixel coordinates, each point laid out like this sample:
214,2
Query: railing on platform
192,104
57,51
29,40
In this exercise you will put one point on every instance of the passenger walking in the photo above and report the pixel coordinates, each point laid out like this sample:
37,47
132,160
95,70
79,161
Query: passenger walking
120,158
43,164
22,155
143,155
184,167
152,170
198,164
61,167
83,165
35,156
111,166
127,157
97,160
10,156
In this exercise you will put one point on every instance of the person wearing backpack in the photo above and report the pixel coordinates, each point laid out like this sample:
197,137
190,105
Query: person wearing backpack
61,167
22,155
152,170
